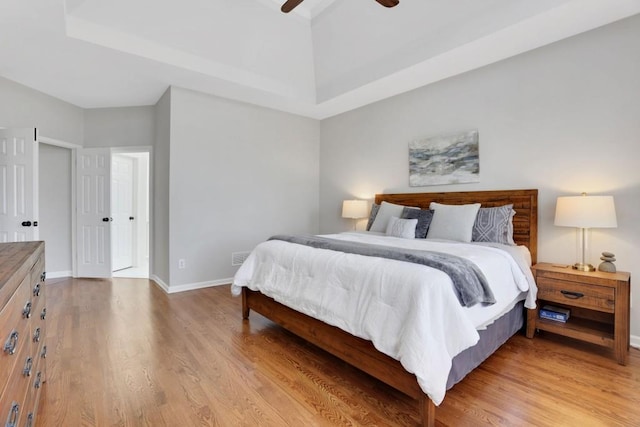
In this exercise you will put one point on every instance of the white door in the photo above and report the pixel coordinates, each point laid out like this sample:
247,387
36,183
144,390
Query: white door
93,217
18,185
122,211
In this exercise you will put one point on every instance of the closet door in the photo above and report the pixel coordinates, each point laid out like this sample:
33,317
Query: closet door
93,216
18,185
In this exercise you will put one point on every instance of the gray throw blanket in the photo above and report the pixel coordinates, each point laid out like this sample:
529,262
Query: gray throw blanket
469,283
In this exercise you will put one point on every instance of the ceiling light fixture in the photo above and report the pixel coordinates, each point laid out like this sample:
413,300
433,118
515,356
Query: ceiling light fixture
289,5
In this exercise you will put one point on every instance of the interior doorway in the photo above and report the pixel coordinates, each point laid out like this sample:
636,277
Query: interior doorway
130,214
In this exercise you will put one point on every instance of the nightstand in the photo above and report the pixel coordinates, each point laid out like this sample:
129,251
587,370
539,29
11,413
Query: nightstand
599,304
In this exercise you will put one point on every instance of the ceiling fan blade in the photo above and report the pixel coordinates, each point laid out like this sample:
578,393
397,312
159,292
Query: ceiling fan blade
388,3
289,5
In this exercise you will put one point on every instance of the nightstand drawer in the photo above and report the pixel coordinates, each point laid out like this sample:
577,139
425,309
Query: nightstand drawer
593,297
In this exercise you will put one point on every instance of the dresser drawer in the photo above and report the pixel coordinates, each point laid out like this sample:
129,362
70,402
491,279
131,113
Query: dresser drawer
37,323
14,330
33,395
593,297
37,270
17,386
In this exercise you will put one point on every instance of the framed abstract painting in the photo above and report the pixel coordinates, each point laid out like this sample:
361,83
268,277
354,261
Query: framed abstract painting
447,159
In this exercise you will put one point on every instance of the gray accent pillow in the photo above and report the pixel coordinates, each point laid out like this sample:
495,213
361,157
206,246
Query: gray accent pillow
493,225
423,216
372,215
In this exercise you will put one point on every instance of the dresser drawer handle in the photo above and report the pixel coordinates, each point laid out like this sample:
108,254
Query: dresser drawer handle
29,422
36,289
11,343
43,276
43,313
572,295
38,381
43,354
26,311
28,364
36,335
12,419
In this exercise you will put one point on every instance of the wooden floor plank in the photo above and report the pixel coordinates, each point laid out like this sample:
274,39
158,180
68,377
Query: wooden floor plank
124,353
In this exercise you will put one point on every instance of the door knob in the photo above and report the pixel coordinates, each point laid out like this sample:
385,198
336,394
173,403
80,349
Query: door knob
26,223
131,218
105,219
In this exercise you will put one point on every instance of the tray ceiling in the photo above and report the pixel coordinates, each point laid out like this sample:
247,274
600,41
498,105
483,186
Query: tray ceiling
328,57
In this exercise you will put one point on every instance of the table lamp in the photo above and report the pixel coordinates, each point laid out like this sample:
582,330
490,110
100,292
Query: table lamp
355,209
585,212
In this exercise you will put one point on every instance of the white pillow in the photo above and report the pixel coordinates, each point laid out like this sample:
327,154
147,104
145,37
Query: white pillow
386,211
452,222
404,228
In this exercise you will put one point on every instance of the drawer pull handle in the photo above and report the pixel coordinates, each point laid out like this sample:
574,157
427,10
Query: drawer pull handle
38,381
11,343
12,419
43,276
43,313
43,354
26,371
29,422
36,335
572,295
36,289
26,311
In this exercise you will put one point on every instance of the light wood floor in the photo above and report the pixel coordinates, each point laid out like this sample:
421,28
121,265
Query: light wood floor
123,353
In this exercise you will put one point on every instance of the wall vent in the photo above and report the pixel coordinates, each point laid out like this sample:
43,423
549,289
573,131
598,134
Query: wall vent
237,258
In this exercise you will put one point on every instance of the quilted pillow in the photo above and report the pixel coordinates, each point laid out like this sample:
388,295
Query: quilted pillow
452,222
404,228
494,225
423,216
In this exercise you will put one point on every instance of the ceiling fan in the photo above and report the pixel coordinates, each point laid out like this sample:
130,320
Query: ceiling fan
289,5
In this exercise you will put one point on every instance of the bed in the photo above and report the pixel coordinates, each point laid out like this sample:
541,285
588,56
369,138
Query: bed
362,353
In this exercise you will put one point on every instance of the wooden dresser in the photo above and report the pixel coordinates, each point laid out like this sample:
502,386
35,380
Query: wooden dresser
22,332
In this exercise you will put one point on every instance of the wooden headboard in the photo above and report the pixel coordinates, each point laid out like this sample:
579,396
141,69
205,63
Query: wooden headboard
525,203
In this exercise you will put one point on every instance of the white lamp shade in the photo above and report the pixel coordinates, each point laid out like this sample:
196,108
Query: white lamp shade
586,212
355,209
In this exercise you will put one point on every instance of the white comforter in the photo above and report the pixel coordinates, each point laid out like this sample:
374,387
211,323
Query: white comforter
408,311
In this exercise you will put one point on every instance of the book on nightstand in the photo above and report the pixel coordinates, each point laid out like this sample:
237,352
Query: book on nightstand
551,312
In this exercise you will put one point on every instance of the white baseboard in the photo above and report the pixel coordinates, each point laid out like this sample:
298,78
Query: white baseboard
189,286
58,274
635,341
193,286
159,283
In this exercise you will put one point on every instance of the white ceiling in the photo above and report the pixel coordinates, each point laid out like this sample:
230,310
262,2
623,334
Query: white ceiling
328,57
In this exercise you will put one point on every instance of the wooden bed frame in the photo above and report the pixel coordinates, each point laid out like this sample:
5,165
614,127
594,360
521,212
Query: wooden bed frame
361,353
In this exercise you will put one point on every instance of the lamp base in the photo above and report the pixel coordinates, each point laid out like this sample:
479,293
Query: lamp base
583,267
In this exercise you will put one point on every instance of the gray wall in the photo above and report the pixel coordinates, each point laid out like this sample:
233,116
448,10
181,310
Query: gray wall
239,173
25,107
119,127
160,245
563,119
55,208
